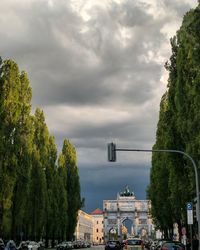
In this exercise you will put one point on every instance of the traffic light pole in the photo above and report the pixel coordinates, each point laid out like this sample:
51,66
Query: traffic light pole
112,157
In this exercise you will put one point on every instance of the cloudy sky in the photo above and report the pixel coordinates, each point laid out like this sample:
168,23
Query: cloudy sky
96,69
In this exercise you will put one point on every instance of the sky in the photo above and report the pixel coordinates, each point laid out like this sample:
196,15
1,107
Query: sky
96,68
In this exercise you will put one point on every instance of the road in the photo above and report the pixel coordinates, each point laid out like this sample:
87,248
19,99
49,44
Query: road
98,247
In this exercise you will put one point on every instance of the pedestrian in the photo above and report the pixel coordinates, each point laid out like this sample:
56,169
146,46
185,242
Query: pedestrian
195,243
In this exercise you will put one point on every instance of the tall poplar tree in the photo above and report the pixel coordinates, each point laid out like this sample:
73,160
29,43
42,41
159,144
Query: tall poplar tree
68,160
23,150
9,118
181,128
50,185
37,198
62,198
37,190
158,190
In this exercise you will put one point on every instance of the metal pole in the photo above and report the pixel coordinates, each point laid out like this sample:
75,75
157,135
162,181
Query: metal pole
191,237
195,170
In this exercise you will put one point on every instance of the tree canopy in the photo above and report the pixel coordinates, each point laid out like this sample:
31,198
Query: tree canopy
172,176
35,187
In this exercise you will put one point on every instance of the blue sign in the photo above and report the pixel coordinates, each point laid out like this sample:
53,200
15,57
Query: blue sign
189,206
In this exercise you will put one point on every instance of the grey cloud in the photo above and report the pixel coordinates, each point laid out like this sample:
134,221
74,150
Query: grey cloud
179,6
64,74
112,60
130,14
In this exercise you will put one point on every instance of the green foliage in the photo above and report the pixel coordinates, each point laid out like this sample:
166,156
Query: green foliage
178,126
34,191
67,161
9,117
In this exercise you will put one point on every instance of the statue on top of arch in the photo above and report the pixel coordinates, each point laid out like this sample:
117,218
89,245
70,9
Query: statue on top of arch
126,192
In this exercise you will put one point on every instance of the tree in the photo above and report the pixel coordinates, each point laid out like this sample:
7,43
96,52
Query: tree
158,190
9,117
68,160
178,126
23,150
37,189
51,171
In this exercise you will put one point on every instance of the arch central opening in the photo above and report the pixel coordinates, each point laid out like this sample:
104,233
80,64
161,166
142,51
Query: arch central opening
127,228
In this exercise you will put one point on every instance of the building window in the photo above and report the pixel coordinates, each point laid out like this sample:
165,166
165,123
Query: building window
97,222
102,221
97,230
97,238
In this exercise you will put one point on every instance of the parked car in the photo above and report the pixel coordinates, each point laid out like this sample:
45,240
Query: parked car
113,245
70,244
23,245
41,245
32,245
87,244
62,246
10,245
2,245
147,244
153,245
156,244
65,245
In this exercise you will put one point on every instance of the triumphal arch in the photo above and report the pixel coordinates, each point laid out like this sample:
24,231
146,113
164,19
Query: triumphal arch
127,207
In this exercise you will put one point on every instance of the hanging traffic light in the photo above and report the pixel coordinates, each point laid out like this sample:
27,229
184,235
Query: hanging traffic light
111,152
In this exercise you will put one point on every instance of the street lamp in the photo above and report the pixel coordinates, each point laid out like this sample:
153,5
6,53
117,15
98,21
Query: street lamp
112,158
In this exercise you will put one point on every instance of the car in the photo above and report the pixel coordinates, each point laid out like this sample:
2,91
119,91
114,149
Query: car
134,244
41,245
62,246
87,244
32,245
172,245
113,245
160,242
2,245
78,244
10,245
23,245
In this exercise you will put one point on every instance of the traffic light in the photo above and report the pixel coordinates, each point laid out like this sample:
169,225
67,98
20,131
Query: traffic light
111,152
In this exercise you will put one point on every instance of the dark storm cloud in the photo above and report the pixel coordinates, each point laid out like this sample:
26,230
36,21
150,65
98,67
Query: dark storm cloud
96,69
104,182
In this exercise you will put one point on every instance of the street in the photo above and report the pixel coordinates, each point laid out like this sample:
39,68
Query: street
97,247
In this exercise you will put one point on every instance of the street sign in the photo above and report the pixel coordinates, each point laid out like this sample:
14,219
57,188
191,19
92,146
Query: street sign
189,213
189,206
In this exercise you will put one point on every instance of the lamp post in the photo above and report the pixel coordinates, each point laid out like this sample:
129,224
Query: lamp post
112,158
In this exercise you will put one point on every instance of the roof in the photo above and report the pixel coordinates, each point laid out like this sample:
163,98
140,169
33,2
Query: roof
97,211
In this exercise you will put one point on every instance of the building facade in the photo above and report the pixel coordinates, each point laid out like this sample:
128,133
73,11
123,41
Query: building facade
98,226
84,227
127,208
